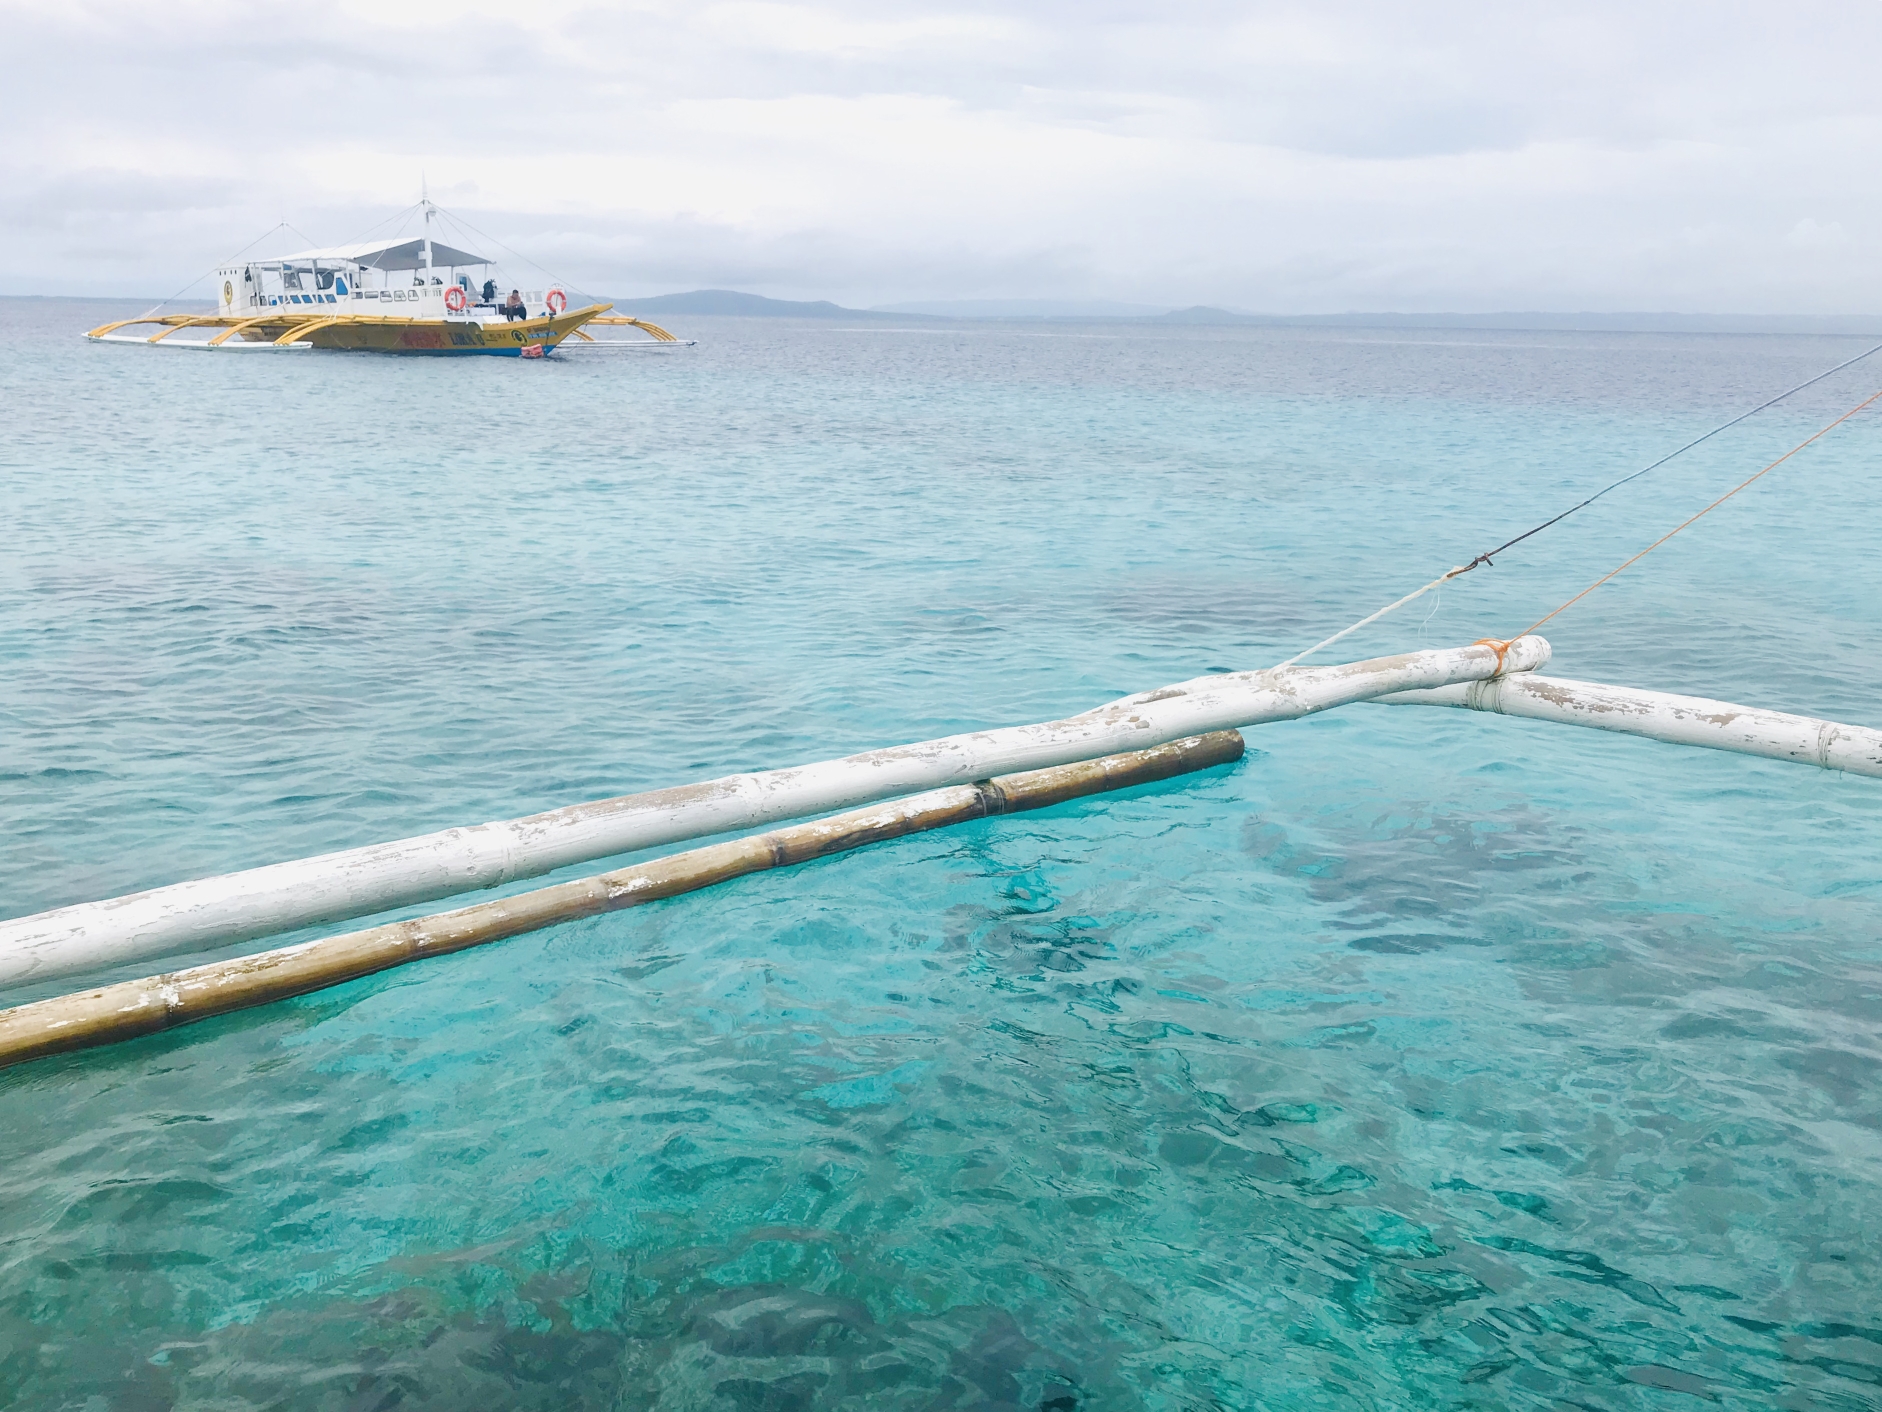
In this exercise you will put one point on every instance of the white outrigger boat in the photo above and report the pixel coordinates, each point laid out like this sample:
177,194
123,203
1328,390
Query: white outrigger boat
404,295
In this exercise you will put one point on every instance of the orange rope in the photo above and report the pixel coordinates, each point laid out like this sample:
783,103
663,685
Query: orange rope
1498,645
1708,510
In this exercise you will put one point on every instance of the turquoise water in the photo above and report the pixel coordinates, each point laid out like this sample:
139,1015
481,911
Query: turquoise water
1420,1060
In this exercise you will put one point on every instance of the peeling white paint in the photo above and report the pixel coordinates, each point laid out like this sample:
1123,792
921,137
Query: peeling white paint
1659,715
218,911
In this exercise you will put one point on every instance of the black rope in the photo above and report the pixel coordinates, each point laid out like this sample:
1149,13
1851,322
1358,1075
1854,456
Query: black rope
1487,557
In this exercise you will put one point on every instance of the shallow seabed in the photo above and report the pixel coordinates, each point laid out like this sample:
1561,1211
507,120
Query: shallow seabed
1421,1060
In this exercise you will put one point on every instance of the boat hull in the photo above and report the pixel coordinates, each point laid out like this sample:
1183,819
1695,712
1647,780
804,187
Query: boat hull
363,333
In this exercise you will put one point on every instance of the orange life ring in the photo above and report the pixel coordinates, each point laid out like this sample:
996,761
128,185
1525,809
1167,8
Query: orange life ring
556,300
456,300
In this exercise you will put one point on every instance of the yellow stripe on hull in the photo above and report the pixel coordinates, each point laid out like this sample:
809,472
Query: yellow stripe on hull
373,333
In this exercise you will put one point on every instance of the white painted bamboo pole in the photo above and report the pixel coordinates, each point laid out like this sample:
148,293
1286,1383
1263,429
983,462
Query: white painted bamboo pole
219,911
140,1007
1659,715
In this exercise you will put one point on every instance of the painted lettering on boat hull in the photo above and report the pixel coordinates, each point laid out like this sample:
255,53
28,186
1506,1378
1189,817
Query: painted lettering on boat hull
369,334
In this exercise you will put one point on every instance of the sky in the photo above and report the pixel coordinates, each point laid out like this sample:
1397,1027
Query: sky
1286,158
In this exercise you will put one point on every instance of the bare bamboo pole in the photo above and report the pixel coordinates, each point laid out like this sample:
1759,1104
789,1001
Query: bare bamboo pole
132,1008
283,897
1660,715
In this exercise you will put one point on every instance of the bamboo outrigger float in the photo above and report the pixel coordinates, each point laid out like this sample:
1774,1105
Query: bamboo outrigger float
405,295
1149,736
133,1008
283,897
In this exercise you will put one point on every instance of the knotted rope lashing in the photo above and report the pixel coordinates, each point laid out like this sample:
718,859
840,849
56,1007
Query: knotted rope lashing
1498,645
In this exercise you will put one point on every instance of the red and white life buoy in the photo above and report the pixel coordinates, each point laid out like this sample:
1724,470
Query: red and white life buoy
456,300
556,300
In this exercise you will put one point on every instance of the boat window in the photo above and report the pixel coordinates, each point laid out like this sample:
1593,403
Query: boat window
290,279
323,279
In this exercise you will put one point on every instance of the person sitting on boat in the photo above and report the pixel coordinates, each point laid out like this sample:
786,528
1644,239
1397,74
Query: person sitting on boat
513,307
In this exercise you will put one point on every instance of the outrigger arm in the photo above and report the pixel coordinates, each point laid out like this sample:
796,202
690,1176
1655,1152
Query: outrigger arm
659,334
300,331
107,333
196,322
173,322
234,329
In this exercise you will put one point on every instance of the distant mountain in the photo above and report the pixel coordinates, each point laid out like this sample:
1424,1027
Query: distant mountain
1538,321
750,306
735,302
1024,309
1207,314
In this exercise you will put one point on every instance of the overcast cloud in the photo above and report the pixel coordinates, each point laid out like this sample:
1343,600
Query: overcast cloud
1283,157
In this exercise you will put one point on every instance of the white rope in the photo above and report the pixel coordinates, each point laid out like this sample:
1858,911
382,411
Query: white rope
279,225
1487,557
554,278
1389,608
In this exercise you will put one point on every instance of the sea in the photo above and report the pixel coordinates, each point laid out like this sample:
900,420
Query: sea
1421,1059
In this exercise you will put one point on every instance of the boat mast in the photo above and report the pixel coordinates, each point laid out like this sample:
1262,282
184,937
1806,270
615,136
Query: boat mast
424,199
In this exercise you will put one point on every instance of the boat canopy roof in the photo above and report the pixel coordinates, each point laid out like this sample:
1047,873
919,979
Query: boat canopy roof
403,254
